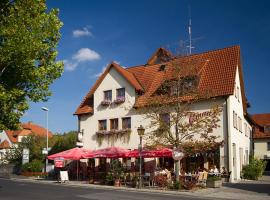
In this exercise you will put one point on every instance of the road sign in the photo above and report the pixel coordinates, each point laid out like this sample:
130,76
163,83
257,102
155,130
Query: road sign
177,155
25,156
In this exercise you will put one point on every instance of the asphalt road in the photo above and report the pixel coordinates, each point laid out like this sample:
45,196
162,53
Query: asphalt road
14,190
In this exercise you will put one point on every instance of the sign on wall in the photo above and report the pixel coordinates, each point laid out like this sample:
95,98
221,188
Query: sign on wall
25,156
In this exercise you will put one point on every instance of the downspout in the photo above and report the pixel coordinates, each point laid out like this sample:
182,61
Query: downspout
228,137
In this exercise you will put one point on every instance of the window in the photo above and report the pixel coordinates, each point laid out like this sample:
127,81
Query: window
235,120
184,86
165,118
114,124
102,125
237,94
240,124
267,129
108,95
126,123
245,129
120,94
268,146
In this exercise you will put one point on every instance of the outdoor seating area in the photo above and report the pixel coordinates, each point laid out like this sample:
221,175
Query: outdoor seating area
121,167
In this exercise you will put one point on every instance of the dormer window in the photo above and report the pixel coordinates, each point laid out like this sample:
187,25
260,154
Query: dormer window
120,95
267,129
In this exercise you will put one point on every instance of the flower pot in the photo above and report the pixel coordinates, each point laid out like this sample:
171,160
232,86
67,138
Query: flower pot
214,184
117,183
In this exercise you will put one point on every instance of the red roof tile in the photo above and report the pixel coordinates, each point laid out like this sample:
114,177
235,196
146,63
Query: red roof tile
261,120
27,129
35,129
217,71
4,145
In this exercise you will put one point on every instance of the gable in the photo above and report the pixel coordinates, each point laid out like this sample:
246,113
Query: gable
86,106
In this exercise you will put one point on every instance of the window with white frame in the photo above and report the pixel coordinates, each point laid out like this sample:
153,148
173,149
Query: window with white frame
240,124
235,120
245,129
237,93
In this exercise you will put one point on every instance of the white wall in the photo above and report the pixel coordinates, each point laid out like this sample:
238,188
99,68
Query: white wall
240,139
3,137
260,148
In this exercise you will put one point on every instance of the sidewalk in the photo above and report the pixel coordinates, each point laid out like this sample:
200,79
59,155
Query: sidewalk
255,190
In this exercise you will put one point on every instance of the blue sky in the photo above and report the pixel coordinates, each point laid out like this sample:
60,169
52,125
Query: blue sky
98,32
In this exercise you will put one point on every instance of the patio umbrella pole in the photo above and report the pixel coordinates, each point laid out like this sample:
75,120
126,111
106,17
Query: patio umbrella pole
77,170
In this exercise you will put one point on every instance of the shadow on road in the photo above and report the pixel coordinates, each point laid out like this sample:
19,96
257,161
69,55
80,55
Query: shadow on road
262,186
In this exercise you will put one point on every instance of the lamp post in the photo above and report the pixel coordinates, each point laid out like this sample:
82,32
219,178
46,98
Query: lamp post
47,134
140,131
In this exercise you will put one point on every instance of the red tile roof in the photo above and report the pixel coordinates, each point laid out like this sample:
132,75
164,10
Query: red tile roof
4,145
261,120
217,71
27,129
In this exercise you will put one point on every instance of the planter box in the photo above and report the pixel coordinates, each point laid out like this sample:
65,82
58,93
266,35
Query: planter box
214,184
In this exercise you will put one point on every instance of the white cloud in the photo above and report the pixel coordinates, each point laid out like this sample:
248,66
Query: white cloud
81,33
86,54
70,66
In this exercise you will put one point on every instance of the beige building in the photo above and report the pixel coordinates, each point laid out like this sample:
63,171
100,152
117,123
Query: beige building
108,115
261,137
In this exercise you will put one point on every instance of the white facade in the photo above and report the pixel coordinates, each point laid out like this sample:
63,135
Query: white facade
233,154
3,137
261,149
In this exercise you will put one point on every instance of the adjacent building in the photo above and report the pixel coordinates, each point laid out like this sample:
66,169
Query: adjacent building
261,137
10,138
108,115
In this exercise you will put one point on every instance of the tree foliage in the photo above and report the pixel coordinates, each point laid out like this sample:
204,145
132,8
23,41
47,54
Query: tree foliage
62,142
35,144
29,35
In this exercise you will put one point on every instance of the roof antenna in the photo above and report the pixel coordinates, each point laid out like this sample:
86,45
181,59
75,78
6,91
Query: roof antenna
189,32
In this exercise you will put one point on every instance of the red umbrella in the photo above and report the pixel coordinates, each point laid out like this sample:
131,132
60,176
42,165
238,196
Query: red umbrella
109,152
71,154
147,153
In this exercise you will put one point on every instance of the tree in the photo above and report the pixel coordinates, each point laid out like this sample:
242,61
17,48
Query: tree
62,142
172,124
34,143
29,36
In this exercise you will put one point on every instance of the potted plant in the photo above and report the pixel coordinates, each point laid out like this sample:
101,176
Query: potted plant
214,182
117,172
109,179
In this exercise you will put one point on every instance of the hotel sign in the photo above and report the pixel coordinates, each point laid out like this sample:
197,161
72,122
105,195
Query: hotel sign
193,116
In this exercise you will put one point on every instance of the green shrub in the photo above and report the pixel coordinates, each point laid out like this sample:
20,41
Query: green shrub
213,178
254,169
177,185
33,166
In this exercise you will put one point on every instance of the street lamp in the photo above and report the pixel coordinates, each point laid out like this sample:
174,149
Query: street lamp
140,131
47,133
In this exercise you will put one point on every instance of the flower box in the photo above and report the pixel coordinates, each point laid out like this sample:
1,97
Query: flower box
213,184
119,100
106,102
111,132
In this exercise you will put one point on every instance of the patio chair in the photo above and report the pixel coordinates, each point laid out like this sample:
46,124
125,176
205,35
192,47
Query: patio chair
202,178
146,179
